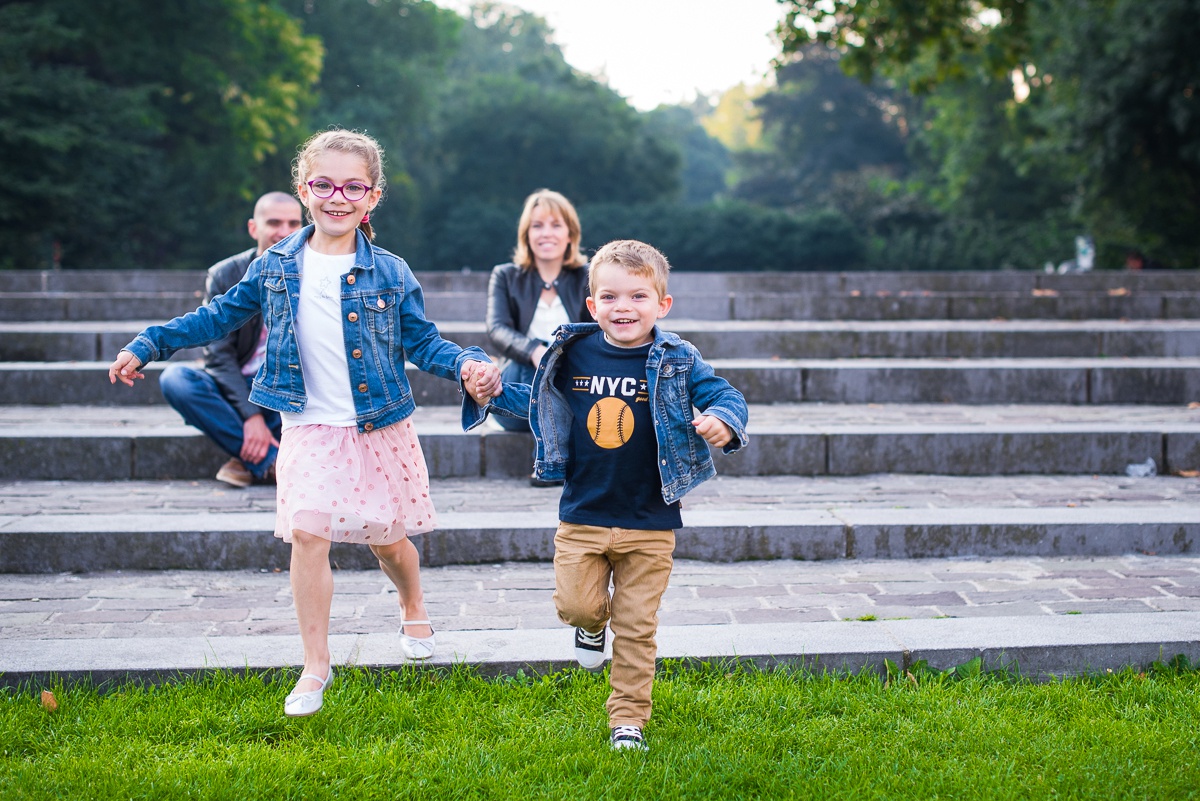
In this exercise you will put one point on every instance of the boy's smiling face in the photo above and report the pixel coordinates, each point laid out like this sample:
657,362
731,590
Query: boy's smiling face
626,304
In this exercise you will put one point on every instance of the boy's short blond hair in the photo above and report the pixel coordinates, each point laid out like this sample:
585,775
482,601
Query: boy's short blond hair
635,257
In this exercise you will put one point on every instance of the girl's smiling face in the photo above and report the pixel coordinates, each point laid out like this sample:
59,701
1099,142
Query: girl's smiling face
335,218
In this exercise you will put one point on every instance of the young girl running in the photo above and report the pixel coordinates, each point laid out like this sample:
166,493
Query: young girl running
342,318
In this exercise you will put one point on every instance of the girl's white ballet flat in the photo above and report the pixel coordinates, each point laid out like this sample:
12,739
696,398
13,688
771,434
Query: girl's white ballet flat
414,648
299,705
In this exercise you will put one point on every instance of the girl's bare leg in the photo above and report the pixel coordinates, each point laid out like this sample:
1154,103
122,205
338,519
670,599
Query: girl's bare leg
401,563
312,594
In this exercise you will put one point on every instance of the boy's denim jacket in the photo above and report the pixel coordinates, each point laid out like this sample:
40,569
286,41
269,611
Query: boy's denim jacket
383,323
678,378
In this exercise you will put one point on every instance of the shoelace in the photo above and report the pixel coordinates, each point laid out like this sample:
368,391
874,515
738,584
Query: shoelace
587,638
627,733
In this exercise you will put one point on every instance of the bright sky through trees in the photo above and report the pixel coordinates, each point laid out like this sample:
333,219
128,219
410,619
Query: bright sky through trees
662,51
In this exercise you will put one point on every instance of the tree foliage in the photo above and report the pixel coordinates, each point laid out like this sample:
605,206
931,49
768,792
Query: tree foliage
945,37
131,125
1124,101
705,162
138,135
386,60
517,117
819,124
732,235
1101,109
513,117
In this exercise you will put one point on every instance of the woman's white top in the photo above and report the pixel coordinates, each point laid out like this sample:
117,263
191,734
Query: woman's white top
321,342
547,317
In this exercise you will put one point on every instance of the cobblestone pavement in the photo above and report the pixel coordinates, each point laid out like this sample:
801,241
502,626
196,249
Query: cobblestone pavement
518,596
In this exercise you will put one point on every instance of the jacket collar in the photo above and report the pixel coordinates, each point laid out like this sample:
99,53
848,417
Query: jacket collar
661,338
293,245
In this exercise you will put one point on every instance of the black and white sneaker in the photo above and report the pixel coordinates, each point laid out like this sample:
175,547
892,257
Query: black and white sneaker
628,737
589,648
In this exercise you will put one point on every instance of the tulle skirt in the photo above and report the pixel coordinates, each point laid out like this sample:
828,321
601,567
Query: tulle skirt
347,486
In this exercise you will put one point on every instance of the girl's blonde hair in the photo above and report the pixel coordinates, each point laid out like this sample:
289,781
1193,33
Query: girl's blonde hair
549,199
342,141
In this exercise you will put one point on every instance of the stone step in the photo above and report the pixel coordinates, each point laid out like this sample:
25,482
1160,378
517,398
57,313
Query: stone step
964,381
80,526
749,304
110,444
787,339
864,282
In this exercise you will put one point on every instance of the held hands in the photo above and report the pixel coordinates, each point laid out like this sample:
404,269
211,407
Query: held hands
714,430
124,367
482,381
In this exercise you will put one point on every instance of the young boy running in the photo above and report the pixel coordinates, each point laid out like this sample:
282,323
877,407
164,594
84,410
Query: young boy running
611,413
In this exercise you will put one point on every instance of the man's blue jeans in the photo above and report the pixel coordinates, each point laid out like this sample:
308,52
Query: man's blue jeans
195,395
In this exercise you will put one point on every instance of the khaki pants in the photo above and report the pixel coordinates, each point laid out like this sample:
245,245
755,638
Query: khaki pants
639,564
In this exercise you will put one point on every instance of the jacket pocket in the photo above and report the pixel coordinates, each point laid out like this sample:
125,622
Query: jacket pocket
277,296
380,312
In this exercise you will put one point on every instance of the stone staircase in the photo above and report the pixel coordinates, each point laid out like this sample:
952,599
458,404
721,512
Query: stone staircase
855,380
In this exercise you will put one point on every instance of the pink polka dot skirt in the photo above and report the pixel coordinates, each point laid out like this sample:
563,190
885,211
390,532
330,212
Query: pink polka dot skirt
345,486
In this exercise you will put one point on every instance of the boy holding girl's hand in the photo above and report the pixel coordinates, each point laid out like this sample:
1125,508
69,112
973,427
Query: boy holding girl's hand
611,413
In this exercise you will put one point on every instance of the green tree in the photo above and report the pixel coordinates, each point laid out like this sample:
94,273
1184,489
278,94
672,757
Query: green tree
705,161
818,124
68,141
734,120
732,235
513,116
1111,98
386,63
156,124
1122,86
947,38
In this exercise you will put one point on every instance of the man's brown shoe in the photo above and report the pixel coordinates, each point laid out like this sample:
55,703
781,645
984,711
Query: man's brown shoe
235,474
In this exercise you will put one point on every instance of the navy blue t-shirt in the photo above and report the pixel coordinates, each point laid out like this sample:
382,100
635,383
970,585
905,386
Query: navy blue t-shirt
612,455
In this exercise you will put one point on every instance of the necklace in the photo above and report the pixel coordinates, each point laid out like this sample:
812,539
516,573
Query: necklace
546,287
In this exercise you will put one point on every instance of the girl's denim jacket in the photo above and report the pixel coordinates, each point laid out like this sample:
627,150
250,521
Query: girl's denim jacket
678,378
383,324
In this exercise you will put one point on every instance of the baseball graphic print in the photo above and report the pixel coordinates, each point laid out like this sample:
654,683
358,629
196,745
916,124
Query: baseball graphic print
610,422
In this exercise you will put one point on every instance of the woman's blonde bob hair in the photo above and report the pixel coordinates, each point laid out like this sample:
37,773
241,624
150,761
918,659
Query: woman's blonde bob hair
555,202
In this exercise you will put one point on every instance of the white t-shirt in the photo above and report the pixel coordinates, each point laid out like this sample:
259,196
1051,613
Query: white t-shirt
321,343
547,317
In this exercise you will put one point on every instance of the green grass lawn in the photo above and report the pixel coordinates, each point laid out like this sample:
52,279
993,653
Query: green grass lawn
717,732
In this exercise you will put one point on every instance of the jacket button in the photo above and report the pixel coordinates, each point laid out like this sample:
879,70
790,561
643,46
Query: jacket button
362,387
369,427
352,317
356,353
350,279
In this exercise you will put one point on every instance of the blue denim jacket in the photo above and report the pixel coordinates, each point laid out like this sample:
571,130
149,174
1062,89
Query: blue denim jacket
678,378
383,314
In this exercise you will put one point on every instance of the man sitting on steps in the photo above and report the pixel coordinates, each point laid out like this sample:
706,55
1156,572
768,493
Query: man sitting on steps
215,399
